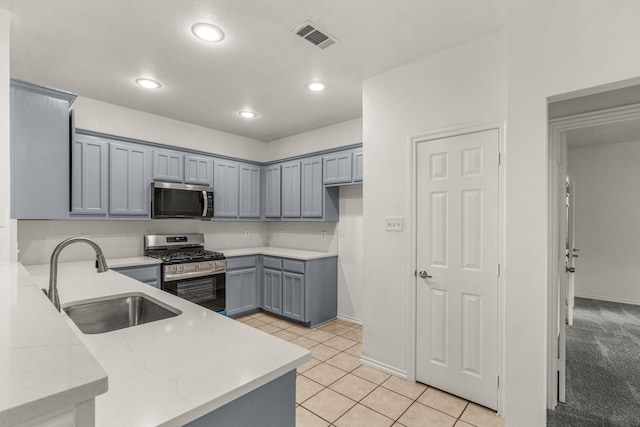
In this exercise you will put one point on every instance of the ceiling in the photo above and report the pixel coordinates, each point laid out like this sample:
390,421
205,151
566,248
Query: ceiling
608,133
98,48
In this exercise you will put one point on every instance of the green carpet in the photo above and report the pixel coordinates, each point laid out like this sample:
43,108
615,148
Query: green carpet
603,367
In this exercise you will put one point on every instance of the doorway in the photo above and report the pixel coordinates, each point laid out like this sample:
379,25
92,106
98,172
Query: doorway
580,140
457,258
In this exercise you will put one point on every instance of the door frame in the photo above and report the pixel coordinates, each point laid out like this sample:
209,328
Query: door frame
412,228
558,129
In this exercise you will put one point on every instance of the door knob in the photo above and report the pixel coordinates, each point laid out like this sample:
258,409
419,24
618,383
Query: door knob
570,269
423,274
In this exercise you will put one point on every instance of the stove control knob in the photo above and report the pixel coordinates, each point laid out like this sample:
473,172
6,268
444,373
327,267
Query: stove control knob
210,264
182,267
197,266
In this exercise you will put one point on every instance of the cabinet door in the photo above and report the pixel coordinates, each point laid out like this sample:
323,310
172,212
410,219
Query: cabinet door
225,184
249,191
272,191
293,296
241,292
39,152
197,170
312,188
272,290
167,166
291,190
337,168
358,170
129,179
89,174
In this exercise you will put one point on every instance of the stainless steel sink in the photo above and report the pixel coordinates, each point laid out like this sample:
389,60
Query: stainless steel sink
118,312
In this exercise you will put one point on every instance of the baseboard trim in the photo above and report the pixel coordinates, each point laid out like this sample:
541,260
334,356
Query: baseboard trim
384,367
601,298
350,319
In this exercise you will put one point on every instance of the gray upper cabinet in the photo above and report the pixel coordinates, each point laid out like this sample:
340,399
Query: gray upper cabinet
337,168
129,179
225,196
197,170
249,191
358,170
291,189
40,152
312,188
89,175
272,191
167,165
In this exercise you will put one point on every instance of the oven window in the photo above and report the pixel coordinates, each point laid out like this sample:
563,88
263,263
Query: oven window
208,292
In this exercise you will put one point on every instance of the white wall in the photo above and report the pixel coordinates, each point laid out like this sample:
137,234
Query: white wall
7,232
461,85
303,235
607,202
554,47
37,239
100,116
351,254
338,135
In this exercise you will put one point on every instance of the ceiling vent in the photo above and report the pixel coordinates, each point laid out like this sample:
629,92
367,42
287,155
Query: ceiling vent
310,33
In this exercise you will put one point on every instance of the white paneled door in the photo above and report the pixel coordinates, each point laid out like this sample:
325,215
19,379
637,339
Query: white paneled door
457,260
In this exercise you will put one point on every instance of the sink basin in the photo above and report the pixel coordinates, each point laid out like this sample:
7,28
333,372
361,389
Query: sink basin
118,312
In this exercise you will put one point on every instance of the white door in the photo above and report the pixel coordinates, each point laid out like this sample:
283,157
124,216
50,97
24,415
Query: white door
457,257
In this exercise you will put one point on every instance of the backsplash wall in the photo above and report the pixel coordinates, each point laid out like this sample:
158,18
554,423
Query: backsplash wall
303,235
37,239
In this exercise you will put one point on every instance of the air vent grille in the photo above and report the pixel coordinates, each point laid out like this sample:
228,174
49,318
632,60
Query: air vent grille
313,35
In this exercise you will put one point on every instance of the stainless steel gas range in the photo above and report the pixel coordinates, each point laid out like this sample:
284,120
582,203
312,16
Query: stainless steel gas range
188,270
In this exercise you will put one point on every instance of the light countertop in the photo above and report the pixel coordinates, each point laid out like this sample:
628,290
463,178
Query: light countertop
132,261
44,366
171,371
274,251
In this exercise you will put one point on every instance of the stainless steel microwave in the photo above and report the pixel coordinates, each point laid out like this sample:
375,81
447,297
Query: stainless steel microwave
171,200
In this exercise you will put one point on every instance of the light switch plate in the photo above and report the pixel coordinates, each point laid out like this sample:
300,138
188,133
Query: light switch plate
394,223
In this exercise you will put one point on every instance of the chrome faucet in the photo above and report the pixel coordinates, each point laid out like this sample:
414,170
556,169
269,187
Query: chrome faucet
101,265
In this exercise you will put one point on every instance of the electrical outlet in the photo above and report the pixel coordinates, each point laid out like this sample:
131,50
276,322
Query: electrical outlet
281,234
324,235
246,233
394,223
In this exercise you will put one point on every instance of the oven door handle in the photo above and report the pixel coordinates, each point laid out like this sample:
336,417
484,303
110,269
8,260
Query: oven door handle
169,277
206,203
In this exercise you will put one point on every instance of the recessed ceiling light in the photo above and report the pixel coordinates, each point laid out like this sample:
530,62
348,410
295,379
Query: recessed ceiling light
247,114
207,32
316,86
148,83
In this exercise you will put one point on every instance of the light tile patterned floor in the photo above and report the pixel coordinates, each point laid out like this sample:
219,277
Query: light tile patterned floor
335,389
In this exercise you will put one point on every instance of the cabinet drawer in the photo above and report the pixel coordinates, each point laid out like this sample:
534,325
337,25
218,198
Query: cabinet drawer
293,266
270,262
241,262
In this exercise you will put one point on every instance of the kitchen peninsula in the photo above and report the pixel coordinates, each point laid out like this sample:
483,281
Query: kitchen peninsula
197,368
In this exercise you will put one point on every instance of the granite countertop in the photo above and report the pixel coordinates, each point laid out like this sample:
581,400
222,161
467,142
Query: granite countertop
171,371
275,251
44,366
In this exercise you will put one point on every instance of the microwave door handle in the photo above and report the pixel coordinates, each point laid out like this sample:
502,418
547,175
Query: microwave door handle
206,203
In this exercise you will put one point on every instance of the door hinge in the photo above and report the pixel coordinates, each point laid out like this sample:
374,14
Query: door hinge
498,269
499,159
498,381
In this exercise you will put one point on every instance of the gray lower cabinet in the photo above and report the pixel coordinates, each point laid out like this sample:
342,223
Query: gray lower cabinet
225,181
303,291
148,274
40,129
249,191
312,188
337,168
167,165
272,191
241,283
197,170
291,189
89,176
129,178
358,169
272,290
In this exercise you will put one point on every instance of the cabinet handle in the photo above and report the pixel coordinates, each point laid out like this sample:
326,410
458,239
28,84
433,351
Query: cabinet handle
206,203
